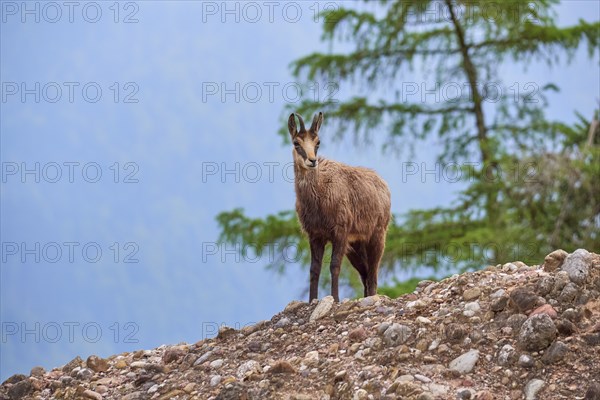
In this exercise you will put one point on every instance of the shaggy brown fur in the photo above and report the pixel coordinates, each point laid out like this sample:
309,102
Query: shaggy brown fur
347,206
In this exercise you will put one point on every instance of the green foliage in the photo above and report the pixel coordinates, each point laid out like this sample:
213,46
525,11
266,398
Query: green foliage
534,186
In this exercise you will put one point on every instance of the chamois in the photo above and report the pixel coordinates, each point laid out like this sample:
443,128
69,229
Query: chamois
347,206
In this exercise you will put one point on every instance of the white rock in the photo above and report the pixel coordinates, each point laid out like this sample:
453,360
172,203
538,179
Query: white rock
361,394
506,355
311,359
322,308
138,364
473,306
248,368
532,388
215,380
465,362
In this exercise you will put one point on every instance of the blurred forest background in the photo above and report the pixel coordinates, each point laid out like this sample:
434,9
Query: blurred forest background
531,184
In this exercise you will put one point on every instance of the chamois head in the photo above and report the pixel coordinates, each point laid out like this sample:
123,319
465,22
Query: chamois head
306,143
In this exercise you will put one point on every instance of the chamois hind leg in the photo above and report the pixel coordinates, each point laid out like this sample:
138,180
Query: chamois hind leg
317,248
339,246
357,255
374,254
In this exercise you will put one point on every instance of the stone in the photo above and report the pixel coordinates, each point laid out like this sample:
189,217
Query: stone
97,364
545,285
565,327
592,339
465,362
499,304
396,334
368,301
532,388
283,322
248,368
526,361
20,389
473,306
556,352
215,380
225,332
554,260
455,332
593,392
85,374
422,378
172,355
545,309
37,371
484,395
560,280
577,265
357,335
322,309
507,355
171,394
537,332
293,306
203,358
361,394
216,364
311,359
471,294
515,321
90,394
405,389
569,293
134,396
425,396
282,367
572,315
523,299
76,362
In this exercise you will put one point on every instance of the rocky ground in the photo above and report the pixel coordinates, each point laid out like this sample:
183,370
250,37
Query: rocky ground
507,332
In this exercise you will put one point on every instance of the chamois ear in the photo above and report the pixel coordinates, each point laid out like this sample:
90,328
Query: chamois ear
316,123
292,125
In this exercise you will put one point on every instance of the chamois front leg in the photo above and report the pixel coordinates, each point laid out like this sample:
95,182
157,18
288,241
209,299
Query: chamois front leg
317,248
339,249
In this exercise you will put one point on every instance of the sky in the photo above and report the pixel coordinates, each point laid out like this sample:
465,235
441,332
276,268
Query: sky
127,127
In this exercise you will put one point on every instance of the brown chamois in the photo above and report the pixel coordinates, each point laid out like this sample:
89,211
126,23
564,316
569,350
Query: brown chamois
347,206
